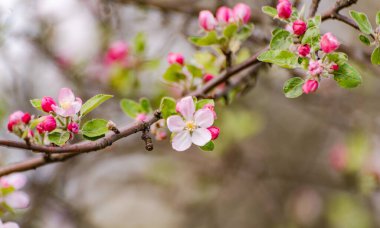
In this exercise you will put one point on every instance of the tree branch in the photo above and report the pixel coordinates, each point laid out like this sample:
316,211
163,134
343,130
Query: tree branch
314,7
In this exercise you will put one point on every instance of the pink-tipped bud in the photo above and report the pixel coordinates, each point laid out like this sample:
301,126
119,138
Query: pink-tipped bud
142,117
26,118
30,134
161,135
242,12
49,124
40,128
208,77
304,50
46,103
176,58
73,127
207,20
329,43
117,52
299,27
214,132
212,108
284,9
335,67
315,67
310,86
14,119
224,15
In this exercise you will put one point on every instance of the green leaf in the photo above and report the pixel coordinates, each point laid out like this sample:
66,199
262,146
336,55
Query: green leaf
36,103
293,87
281,40
145,105
339,58
130,108
230,30
139,43
362,21
208,147
312,37
378,18
282,58
174,73
365,40
59,138
35,122
268,10
93,103
7,190
95,128
195,71
347,76
245,32
203,102
168,107
375,57
210,38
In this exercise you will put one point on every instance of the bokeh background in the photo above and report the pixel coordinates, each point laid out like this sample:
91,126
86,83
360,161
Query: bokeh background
306,162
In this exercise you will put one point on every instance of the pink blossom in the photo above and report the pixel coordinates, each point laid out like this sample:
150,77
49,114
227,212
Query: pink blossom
16,180
304,50
207,20
26,118
329,43
48,124
207,77
315,67
73,127
16,199
299,27
46,103
211,108
116,53
242,12
191,126
224,15
8,225
284,9
14,119
68,104
310,86
214,132
176,58
142,117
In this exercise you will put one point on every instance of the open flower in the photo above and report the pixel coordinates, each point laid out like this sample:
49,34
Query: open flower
191,126
17,199
68,104
9,225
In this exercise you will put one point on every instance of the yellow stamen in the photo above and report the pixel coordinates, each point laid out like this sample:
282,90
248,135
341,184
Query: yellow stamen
190,126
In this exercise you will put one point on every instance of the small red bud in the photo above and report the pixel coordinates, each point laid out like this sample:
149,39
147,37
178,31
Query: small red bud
207,77
214,132
46,103
26,118
299,27
73,127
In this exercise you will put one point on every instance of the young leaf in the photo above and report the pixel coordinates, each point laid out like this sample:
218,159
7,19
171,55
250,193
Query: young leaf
268,10
293,87
375,57
203,102
195,71
208,147
59,138
245,32
145,105
130,108
362,21
365,40
230,30
338,57
139,43
281,40
95,128
378,18
210,38
167,107
347,76
174,73
312,37
93,103
36,103
282,58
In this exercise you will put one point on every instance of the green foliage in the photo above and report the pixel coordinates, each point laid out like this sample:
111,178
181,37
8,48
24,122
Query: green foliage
36,103
365,40
146,107
139,43
339,58
347,76
281,40
95,128
362,21
375,57
131,108
378,18
203,102
174,73
208,147
230,31
312,37
269,11
59,137
168,107
282,58
293,87
195,71
245,32
211,38
93,103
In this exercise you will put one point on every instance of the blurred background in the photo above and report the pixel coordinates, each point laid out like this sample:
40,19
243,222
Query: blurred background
307,162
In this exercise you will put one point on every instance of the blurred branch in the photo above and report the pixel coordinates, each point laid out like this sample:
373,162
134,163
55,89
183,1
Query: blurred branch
314,7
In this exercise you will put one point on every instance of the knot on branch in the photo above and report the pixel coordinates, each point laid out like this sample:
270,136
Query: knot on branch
157,114
112,127
146,137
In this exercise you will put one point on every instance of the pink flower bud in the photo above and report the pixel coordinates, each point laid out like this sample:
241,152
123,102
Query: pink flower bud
161,135
284,9
299,27
212,108
26,118
46,103
117,52
207,77
242,12
207,20
329,43
176,58
315,67
224,15
335,67
310,86
73,127
214,132
14,119
304,50
40,128
142,117
49,124
30,134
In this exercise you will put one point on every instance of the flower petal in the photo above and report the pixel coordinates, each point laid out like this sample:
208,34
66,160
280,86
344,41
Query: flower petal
10,225
181,141
17,200
204,118
66,96
186,107
17,180
175,123
60,111
77,105
201,136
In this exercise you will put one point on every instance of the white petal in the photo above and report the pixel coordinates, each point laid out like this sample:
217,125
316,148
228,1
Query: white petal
204,118
175,123
10,225
17,180
181,141
186,107
77,105
66,96
60,111
201,137
17,200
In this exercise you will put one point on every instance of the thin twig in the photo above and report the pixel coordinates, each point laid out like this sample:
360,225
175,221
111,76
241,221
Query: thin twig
314,7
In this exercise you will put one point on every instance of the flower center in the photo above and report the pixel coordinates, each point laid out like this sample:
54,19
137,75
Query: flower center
66,105
190,126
